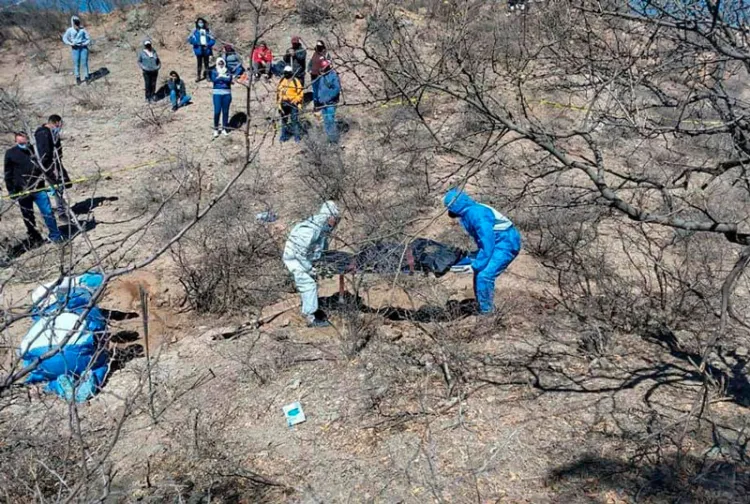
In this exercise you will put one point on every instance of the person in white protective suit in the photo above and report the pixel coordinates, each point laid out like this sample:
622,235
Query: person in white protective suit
306,244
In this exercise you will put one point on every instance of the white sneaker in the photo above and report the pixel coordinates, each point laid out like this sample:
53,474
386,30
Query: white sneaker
522,6
224,133
216,134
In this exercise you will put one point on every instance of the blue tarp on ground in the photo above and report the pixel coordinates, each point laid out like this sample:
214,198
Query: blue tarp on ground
65,346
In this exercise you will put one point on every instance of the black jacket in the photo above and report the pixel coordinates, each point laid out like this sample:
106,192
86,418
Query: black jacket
297,59
50,155
22,173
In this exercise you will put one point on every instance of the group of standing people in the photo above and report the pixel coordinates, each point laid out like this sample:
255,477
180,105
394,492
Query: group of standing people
227,70
290,91
33,173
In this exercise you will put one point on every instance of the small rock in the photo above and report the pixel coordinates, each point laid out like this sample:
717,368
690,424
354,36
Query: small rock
285,323
369,366
741,352
359,15
295,384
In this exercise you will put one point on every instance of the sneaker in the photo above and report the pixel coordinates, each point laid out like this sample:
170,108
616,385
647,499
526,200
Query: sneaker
319,323
78,81
216,134
174,108
224,133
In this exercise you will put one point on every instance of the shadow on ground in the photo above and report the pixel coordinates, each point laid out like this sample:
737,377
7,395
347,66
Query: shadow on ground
98,74
683,479
453,310
87,205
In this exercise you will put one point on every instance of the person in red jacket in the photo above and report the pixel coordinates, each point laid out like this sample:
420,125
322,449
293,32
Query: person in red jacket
262,58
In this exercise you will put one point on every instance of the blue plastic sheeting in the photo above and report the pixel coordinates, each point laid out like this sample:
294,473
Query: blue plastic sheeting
77,363
75,6
735,13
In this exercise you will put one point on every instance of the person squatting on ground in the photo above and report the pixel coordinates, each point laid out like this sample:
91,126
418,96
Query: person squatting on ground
177,92
222,94
329,91
296,57
496,237
315,68
78,39
50,153
262,59
289,98
306,244
233,61
202,42
24,175
150,64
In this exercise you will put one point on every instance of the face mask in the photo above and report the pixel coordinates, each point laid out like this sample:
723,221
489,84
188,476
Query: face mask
56,131
23,146
200,24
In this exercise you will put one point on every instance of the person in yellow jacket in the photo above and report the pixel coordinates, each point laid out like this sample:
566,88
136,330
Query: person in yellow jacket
289,97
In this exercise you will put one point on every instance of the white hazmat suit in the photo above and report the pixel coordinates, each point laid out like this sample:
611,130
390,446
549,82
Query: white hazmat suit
306,244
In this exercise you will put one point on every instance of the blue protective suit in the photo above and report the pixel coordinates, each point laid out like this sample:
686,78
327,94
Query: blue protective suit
77,364
496,237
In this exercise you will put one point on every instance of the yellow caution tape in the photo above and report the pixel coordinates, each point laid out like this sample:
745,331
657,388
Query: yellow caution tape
99,175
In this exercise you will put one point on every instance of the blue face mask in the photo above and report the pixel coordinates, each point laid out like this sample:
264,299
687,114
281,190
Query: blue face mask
200,24
23,146
56,131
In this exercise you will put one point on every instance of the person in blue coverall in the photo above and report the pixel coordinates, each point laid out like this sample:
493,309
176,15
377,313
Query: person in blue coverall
329,91
497,239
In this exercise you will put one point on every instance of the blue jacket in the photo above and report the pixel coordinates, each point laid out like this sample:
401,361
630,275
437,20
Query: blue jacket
480,221
220,82
198,49
234,64
329,88
177,86
77,39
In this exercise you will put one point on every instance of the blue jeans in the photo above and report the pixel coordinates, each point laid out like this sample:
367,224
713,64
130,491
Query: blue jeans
289,122
315,86
184,99
81,58
329,122
221,108
41,199
507,247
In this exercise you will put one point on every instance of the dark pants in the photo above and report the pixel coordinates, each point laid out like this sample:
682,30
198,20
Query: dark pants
202,66
289,122
149,79
221,108
260,68
45,208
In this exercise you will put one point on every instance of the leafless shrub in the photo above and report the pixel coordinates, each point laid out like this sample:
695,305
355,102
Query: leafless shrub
239,275
154,116
90,97
313,12
27,21
232,11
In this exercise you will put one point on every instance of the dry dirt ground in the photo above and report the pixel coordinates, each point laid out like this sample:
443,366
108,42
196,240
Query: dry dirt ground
468,410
